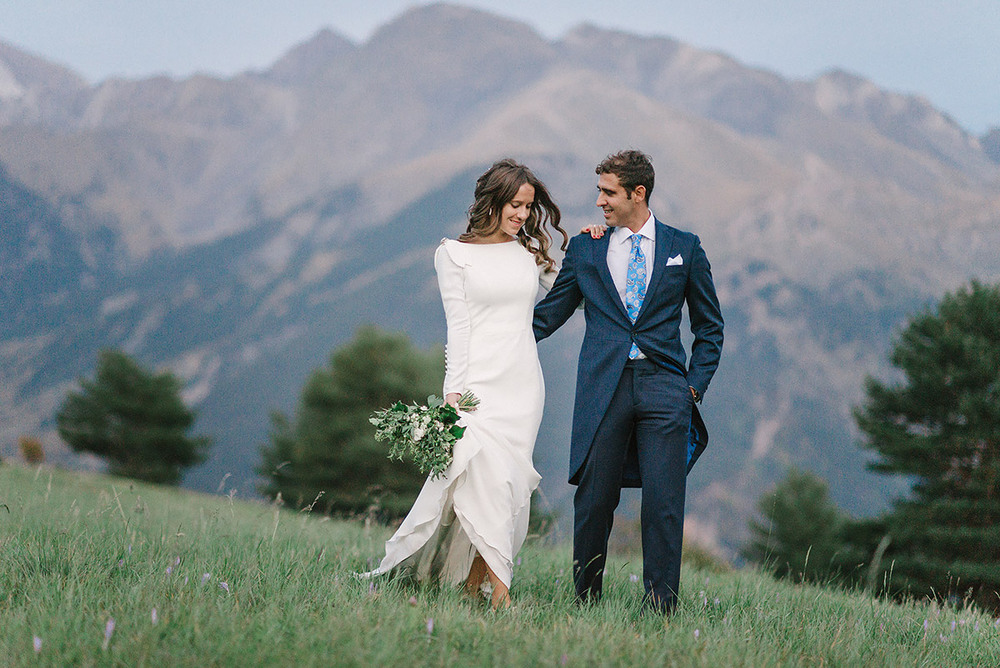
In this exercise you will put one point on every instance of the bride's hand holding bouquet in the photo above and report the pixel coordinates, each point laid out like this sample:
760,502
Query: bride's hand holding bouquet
425,434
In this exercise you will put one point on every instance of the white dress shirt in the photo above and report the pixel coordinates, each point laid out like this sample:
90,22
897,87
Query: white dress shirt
620,248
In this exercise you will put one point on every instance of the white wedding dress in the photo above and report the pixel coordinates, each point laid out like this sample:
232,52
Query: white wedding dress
481,504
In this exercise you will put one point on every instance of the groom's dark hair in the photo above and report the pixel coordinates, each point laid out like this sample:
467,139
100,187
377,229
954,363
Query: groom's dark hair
632,168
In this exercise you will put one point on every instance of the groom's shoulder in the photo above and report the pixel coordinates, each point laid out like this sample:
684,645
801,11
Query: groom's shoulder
683,236
580,241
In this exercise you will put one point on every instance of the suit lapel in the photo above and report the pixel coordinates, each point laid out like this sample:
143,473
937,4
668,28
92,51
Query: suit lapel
664,244
601,262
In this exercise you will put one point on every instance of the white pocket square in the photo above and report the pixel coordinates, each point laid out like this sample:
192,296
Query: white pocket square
675,261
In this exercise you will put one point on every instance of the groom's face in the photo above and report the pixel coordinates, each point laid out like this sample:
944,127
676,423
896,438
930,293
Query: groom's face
619,206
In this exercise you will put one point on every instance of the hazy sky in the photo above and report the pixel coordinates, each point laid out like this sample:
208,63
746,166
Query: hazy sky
946,50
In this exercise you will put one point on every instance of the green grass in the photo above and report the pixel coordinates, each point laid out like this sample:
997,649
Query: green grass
78,550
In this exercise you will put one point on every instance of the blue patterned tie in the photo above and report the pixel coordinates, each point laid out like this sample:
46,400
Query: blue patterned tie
635,286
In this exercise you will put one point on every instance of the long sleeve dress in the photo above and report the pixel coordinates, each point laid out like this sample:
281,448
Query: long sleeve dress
481,504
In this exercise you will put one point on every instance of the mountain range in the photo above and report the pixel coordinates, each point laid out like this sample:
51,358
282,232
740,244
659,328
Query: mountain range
236,230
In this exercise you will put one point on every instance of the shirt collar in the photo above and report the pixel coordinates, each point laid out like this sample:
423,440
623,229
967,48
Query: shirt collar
647,230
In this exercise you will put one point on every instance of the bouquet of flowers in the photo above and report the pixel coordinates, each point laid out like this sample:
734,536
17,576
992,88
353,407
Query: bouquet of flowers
426,434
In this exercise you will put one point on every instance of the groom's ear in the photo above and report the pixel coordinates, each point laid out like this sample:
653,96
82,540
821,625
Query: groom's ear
640,193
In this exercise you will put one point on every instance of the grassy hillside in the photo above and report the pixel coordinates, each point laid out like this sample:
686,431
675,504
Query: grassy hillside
104,571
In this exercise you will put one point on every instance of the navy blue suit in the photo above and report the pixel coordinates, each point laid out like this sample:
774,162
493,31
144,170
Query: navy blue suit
632,419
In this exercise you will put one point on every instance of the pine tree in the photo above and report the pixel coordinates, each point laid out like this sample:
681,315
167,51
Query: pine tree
940,426
134,419
800,536
328,456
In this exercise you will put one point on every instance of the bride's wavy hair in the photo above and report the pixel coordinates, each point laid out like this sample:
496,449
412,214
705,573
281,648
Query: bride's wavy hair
498,186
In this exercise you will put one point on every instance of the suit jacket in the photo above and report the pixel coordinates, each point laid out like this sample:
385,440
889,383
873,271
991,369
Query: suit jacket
656,331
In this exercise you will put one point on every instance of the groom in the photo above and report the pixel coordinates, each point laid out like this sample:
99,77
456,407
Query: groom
635,400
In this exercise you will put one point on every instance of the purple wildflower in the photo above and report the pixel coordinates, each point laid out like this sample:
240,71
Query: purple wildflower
563,659
430,625
696,634
633,578
109,629
413,600
155,618
927,625
37,642
224,586
206,577
169,571
953,626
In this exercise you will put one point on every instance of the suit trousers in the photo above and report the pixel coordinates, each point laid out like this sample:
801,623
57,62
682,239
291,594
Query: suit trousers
650,408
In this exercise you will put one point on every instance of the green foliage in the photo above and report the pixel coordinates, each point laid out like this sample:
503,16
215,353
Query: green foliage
800,535
328,457
423,434
134,419
940,427
80,550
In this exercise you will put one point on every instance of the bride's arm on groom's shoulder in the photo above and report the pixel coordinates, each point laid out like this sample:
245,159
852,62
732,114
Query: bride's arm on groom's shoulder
450,272
546,278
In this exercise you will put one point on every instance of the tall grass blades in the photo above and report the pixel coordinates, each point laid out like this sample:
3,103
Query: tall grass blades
102,571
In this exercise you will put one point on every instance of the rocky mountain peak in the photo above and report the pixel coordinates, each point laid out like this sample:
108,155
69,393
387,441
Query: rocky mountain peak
441,18
605,40
841,93
34,90
306,61
31,71
439,31
908,119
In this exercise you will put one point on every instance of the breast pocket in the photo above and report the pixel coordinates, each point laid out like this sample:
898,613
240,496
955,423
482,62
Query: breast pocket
672,282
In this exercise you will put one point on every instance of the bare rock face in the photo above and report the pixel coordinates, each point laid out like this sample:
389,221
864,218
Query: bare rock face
307,62
33,90
238,229
907,119
991,144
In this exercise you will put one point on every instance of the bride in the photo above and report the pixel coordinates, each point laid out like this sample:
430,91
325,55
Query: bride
467,526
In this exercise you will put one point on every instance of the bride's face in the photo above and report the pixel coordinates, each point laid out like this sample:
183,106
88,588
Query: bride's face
516,211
